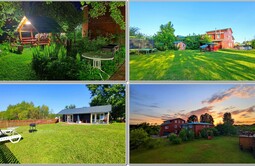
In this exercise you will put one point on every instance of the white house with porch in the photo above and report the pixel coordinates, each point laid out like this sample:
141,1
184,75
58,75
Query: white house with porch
93,115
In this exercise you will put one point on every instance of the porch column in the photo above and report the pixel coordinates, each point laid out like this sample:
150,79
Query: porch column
108,115
95,118
85,24
91,118
20,35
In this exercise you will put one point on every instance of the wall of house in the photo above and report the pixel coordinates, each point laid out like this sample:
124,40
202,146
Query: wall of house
226,37
198,127
173,127
228,42
103,26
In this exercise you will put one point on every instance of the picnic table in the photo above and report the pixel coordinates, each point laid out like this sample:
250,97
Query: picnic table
97,57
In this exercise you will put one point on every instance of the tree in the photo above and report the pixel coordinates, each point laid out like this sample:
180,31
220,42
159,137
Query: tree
192,118
25,110
253,43
100,8
164,39
192,41
10,15
71,106
138,137
206,118
149,128
205,39
134,32
227,119
109,94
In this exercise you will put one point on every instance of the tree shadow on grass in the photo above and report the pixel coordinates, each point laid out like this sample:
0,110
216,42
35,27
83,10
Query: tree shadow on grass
212,66
6,156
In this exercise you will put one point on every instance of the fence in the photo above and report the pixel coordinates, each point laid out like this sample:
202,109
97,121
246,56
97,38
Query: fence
13,123
141,43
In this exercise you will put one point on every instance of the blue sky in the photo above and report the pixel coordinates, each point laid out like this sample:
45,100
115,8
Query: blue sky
55,96
155,103
195,17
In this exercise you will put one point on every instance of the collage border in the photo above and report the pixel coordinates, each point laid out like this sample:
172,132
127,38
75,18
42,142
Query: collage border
127,82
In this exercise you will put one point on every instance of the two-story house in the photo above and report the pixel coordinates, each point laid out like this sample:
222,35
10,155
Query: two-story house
222,37
175,126
171,126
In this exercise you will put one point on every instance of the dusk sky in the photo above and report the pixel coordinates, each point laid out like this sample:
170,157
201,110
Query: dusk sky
195,17
156,103
55,96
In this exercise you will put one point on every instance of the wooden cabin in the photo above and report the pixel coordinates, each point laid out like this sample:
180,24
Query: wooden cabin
37,30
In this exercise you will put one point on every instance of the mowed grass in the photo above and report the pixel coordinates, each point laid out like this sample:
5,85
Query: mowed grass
217,150
194,65
17,66
63,143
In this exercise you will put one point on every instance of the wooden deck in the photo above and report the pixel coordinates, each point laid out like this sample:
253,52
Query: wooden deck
120,74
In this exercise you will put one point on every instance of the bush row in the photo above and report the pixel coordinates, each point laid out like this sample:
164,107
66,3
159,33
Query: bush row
55,62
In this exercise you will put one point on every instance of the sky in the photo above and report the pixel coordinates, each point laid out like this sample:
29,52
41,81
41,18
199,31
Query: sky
159,102
195,17
55,96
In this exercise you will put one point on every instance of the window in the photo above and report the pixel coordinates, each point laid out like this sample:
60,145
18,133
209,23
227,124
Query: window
178,121
166,127
175,131
175,126
182,121
218,36
175,121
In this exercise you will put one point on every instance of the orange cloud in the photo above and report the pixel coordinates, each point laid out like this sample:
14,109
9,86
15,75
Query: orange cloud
242,91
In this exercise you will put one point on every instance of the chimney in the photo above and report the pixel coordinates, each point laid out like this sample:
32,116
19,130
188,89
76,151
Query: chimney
85,24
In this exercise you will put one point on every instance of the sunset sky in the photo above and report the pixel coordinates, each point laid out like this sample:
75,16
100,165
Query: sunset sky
195,17
159,102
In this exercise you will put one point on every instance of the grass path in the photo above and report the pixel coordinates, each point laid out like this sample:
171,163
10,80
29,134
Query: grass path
194,65
17,67
218,150
63,143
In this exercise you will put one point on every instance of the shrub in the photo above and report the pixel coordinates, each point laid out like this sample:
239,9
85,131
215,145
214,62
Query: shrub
209,132
85,44
204,132
226,129
138,137
190,135
177,140
172,136
152,143
183,134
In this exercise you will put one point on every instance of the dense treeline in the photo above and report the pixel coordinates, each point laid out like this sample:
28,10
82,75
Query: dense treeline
26,110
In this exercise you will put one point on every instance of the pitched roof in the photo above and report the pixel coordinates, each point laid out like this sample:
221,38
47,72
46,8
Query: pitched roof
197,123
40,24
168,121
87,110
220,30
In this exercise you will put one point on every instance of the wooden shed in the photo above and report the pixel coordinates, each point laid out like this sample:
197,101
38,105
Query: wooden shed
37,30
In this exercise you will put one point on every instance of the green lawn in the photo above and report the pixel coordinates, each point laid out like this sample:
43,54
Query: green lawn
17,66
63,143
194,65
218,150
